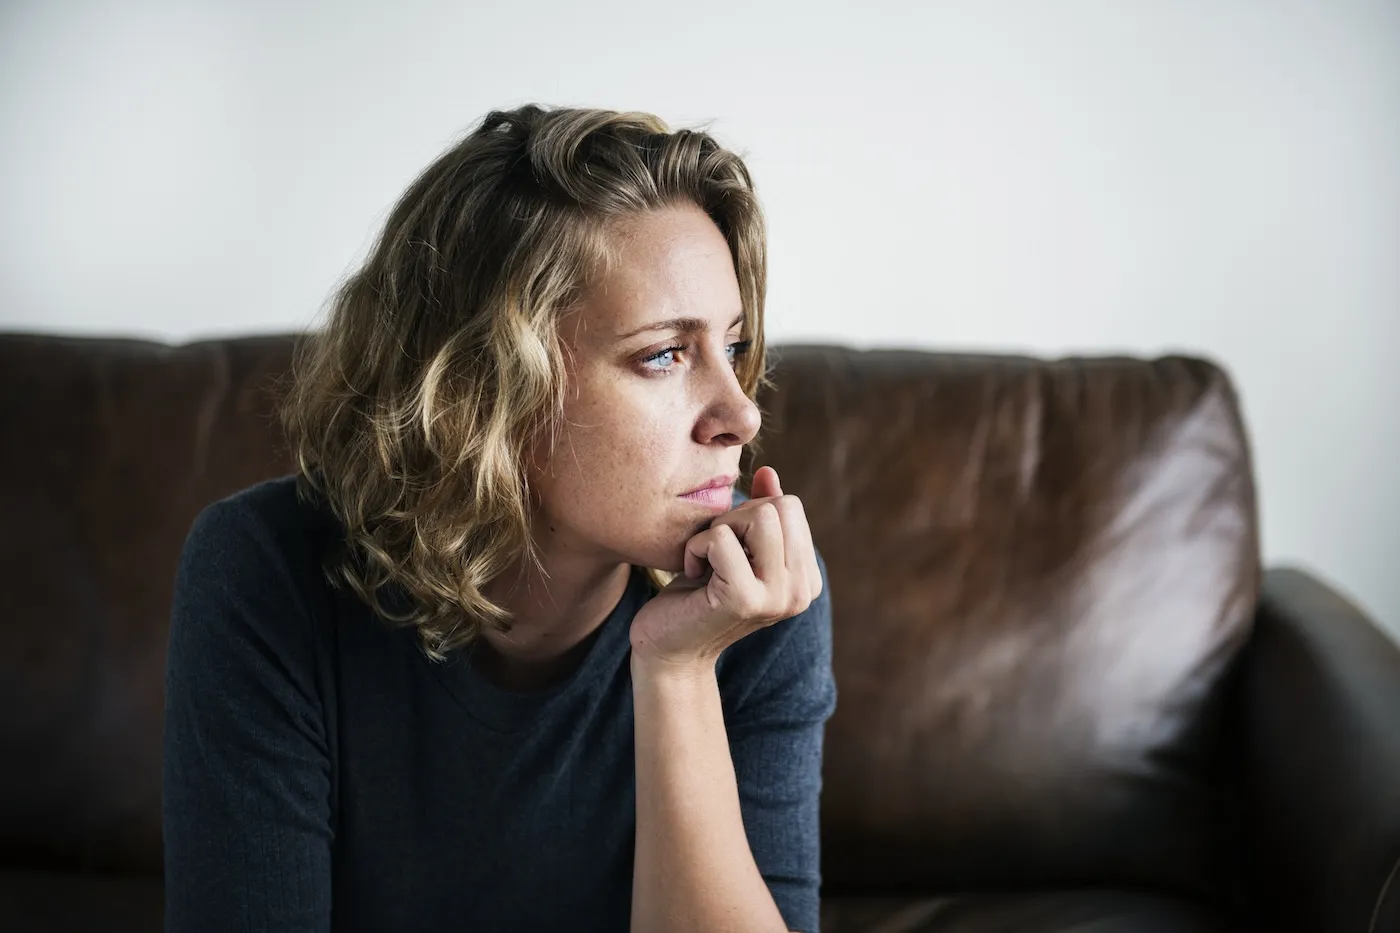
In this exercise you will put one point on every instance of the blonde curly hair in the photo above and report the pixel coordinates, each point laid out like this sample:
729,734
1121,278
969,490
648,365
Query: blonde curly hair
412,412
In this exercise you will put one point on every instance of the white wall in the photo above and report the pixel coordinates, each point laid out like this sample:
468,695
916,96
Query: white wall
1218,176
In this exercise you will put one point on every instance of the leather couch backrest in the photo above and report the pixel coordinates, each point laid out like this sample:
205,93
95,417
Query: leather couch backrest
111,449
1040,571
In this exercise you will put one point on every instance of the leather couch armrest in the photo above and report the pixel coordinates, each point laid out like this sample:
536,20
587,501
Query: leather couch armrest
1321,708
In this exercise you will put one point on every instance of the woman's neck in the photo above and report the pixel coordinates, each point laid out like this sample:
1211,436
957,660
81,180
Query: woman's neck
554,616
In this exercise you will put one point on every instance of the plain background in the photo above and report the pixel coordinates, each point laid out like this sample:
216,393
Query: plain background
1220,177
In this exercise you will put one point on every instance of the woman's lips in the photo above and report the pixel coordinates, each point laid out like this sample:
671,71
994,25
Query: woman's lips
719,498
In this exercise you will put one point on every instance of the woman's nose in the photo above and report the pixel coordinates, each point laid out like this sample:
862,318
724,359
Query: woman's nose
730,416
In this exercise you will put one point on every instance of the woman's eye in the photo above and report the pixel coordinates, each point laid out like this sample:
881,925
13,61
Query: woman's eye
662,359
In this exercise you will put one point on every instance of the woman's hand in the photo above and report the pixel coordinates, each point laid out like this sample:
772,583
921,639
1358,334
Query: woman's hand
755,565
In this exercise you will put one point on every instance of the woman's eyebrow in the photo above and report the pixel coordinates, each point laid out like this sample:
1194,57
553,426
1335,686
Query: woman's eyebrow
686,325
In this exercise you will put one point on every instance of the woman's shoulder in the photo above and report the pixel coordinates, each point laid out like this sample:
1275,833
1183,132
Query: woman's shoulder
283,507
271,528
246,653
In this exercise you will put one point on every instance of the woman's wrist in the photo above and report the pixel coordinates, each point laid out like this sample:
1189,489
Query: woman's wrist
670,673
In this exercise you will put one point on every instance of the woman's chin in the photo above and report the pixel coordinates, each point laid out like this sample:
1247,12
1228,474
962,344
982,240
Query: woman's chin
671,563
669,556
664,548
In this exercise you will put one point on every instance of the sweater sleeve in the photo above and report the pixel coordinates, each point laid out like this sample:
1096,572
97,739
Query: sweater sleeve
246,800
778,692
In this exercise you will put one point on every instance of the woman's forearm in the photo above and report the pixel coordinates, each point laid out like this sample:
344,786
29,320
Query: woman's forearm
694,870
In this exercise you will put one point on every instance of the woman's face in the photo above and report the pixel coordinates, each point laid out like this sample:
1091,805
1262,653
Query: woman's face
654,409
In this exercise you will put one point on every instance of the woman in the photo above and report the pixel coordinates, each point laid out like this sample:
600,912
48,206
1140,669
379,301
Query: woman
509,652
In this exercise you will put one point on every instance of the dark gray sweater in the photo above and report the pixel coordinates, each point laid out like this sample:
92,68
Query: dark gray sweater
322,774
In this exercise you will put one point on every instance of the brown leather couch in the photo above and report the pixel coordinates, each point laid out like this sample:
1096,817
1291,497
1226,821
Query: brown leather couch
1069,697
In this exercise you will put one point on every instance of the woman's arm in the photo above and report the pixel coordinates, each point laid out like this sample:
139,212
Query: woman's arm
694,869
696,866
247,780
